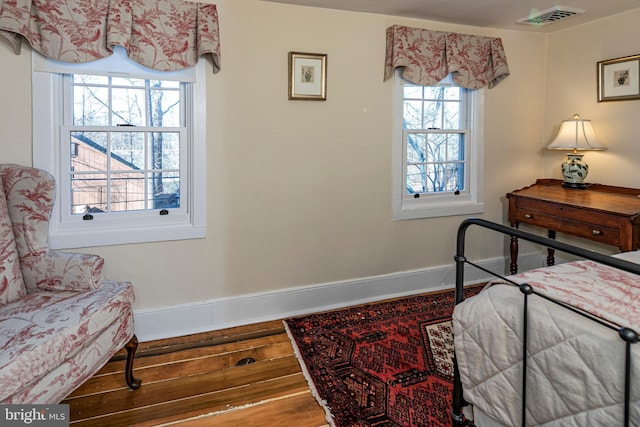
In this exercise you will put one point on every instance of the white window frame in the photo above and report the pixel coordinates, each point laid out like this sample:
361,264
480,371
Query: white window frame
446,203
66,231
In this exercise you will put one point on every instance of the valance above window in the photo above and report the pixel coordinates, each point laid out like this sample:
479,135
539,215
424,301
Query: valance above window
426,57
165,35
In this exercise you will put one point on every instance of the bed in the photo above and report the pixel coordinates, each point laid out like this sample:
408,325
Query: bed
576,323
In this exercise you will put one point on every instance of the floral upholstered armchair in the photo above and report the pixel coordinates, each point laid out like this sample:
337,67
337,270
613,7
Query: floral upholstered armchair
60,321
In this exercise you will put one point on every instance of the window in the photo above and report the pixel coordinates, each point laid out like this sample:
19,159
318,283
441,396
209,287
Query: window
126,146
437,152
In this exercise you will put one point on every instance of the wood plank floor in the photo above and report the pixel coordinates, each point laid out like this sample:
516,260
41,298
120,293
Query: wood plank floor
194,381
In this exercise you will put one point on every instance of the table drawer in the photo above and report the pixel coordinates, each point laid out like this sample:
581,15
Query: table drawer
569,212
567,224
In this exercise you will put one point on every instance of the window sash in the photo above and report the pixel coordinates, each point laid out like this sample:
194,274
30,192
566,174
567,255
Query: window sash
66,172
462,161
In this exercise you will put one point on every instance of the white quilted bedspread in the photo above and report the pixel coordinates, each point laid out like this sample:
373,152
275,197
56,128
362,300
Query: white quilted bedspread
575,366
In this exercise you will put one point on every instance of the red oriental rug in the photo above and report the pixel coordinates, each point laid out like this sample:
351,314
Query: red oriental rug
383,364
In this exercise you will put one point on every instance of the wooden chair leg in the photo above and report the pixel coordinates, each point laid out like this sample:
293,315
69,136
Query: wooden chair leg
131,347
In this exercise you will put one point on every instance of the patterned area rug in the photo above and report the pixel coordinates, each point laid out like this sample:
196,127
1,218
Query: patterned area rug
384,364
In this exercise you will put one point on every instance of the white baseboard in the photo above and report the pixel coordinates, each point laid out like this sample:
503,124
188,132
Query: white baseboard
185,319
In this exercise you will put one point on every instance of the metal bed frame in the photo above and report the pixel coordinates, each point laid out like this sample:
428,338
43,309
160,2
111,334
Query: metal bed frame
628,335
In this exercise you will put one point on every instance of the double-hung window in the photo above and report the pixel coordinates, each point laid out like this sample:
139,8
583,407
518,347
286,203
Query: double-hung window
437,154
126,147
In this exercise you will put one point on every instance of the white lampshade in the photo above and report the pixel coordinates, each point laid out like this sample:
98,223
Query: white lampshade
576,134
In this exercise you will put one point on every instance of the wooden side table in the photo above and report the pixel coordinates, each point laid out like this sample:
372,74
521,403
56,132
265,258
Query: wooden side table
601,213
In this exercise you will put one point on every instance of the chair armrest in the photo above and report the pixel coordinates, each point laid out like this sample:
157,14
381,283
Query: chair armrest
62,271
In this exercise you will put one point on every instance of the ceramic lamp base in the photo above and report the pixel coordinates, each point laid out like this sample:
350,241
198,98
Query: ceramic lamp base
574,171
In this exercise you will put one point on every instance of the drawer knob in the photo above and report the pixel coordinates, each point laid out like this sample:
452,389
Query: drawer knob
596,232
527,216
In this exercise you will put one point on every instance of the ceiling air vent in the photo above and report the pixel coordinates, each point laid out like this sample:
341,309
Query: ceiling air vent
551,15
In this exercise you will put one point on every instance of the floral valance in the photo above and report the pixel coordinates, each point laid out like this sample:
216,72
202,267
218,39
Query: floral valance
426,57
165,35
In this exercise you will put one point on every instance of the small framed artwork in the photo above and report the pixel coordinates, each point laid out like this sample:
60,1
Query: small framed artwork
307,76
619,79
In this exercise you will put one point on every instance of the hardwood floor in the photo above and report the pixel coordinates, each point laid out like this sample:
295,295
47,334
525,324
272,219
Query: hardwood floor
194,381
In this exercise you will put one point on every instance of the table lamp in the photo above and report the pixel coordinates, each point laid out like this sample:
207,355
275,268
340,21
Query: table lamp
576,134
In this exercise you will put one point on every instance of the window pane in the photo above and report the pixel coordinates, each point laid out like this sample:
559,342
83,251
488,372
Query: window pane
164,190
88,193
171,151
127,192
433,115
452,115
433,92
165,108
415,179
412,114
412,91
432,178
455,147
452,181
416,147
437,177
437,147
452,93
128,107
127,150
89,107
164,150
88,151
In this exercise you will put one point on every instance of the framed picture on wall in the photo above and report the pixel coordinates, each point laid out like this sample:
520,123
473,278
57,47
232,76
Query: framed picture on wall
307,76
619,79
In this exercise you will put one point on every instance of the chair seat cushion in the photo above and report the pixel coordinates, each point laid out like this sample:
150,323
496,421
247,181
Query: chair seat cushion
44,329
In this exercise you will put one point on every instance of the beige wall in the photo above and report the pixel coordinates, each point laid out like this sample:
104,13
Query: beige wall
299,192
571,75
15,105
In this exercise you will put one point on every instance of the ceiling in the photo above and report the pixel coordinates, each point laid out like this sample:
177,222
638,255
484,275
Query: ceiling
502,14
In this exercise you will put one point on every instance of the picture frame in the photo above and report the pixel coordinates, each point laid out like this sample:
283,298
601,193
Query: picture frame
619,79
307,76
